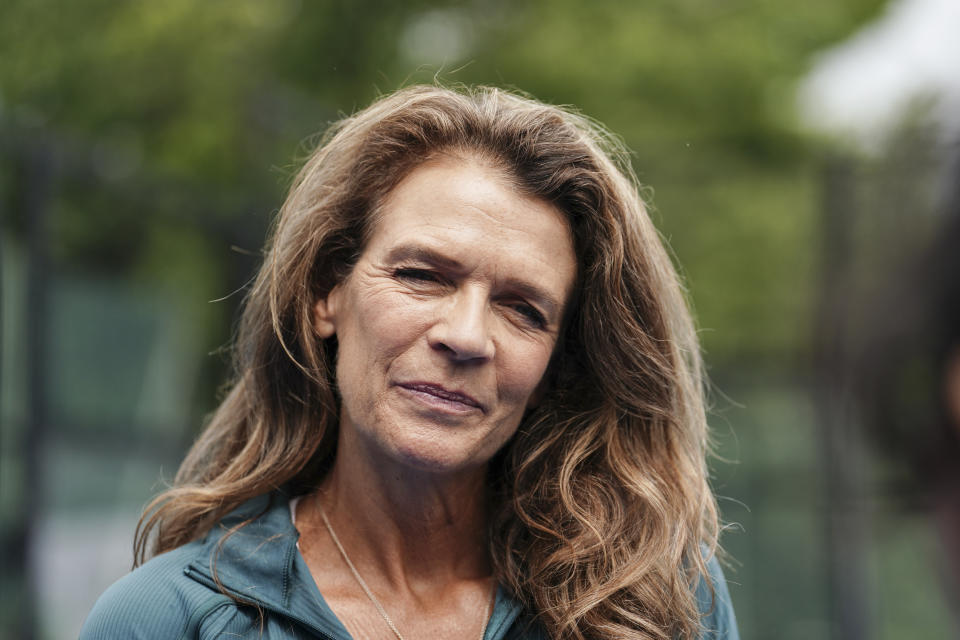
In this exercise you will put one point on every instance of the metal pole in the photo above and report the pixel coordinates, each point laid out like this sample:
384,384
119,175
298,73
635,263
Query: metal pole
841,455
36,188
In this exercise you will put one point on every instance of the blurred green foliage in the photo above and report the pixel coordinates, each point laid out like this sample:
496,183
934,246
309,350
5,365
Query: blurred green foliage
222,95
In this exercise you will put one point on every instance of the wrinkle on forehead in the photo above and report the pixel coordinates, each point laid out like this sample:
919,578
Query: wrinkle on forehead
482,159
454,160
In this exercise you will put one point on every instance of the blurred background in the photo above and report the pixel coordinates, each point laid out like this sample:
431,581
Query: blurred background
801,159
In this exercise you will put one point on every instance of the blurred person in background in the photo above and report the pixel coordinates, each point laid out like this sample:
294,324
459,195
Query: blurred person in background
468,403
909,392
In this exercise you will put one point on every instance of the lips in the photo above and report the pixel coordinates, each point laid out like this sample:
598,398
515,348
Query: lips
441,392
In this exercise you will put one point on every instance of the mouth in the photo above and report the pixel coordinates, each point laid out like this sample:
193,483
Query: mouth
442,394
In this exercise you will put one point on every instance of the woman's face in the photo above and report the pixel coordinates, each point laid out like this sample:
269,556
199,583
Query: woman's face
447,322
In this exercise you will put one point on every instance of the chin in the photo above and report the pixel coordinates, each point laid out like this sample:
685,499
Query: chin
434,459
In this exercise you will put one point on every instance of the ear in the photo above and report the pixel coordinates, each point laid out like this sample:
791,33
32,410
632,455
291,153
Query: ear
325,314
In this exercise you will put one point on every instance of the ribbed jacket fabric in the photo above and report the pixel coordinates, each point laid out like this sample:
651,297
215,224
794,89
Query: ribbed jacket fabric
177,596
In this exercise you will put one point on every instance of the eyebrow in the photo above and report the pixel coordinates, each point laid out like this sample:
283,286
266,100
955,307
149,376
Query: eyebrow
528,290
418,253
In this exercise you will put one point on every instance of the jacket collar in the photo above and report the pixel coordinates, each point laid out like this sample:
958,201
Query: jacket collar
259,562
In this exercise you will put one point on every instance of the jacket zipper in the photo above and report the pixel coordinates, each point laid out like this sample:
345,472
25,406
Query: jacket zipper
205,580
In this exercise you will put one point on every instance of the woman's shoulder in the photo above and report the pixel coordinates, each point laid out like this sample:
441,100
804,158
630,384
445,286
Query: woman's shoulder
716,607
174,595
155,600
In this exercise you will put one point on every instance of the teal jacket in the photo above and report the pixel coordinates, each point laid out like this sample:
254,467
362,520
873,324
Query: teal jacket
175,595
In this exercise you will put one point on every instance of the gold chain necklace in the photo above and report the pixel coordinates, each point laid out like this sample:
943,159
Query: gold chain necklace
373,598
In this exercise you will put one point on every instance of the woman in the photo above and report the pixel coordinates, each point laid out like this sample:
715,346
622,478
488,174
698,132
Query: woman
468,404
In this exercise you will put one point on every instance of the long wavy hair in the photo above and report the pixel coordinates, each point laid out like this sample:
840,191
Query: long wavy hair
602,513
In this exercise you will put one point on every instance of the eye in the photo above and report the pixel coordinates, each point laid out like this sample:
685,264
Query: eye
530,314
416,275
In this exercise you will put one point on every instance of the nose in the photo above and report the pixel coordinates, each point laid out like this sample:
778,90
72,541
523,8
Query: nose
461,329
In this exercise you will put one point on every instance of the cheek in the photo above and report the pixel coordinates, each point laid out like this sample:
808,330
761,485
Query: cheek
372,332
392,323
521,374
380,324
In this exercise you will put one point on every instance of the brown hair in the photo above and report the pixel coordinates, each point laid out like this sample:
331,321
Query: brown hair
603,515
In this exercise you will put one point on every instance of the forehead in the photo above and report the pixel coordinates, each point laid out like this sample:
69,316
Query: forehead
472,210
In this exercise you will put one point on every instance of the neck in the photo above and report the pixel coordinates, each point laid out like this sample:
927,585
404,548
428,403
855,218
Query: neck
408,526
